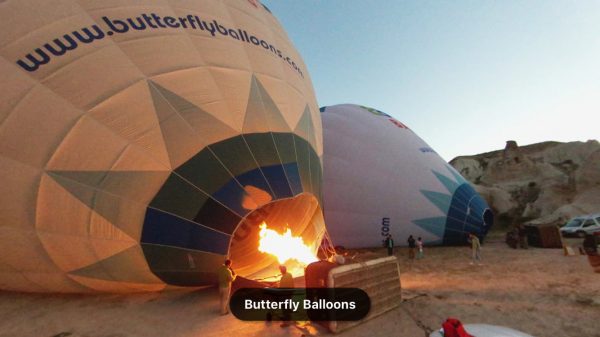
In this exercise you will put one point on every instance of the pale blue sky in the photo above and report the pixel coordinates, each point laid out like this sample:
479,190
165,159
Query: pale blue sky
465,75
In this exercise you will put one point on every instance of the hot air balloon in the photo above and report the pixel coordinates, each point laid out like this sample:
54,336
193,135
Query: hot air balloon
380,178
141,143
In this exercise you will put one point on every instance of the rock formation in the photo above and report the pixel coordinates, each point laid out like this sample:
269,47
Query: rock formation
544,183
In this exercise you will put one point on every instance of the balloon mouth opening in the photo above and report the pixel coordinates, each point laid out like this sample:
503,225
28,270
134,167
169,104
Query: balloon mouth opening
488,217
283,232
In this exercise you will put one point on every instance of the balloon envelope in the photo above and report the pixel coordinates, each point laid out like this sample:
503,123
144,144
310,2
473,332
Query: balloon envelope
138,138
380,178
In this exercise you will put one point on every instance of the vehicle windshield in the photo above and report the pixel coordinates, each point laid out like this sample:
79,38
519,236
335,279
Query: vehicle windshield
574,223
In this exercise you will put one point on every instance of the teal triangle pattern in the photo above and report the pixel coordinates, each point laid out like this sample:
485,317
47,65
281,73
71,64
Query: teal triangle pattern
440,200
167,103
304,128
100,190
435,225
118,268
460,179
262,112
175,101
450,184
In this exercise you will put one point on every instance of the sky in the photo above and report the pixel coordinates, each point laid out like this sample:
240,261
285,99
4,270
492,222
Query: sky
466,76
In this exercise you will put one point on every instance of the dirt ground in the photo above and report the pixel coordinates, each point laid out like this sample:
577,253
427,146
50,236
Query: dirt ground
537,291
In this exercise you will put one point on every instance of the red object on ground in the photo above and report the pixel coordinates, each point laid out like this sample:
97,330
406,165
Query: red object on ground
454,328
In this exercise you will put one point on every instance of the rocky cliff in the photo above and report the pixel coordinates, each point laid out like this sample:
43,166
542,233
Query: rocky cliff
544,183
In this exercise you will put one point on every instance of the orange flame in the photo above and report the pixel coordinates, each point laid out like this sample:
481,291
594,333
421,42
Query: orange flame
286,248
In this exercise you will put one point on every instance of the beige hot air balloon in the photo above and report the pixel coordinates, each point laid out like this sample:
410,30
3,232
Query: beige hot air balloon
142,142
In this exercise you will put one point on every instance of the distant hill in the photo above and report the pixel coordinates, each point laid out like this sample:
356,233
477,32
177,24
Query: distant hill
543,183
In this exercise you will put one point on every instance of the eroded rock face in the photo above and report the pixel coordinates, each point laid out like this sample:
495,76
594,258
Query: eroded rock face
544,183
469,168
588,175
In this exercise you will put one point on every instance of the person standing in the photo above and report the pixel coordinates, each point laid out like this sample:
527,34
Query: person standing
286,281
389,244
226,277
419,248
475,248
411,247
590,247
521,232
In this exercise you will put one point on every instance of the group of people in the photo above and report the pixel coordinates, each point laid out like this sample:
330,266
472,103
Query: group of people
418,246
227,275
412,245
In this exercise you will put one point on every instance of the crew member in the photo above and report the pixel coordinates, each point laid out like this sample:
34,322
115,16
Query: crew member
226,277
475,248
411,247
286,281
389,243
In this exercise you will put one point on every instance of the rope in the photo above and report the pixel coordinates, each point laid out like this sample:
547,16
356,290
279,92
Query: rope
328,249
265,278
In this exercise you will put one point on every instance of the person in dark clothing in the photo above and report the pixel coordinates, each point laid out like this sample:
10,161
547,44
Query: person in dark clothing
590,247
522,236
389,244
286,282
411,247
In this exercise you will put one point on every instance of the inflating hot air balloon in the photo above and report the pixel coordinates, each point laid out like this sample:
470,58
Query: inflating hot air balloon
380,178
142,142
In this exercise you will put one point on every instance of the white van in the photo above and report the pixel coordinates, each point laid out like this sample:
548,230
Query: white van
581,225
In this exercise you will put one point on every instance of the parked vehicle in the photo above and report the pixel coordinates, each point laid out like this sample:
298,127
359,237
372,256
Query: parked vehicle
581,225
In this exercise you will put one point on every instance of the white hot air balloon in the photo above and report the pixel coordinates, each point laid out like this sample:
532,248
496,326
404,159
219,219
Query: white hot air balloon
380,178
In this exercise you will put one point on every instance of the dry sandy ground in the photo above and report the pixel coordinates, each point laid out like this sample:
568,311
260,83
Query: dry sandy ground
538,291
